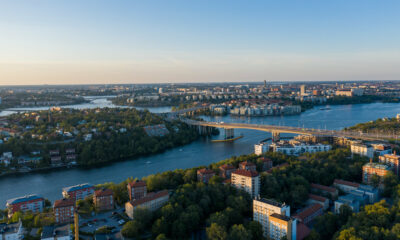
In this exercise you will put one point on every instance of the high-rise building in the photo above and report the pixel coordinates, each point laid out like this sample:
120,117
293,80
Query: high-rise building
264,208
64,210
302,90
248,181
281,226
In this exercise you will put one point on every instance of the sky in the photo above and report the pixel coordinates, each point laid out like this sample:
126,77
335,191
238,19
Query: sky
165,41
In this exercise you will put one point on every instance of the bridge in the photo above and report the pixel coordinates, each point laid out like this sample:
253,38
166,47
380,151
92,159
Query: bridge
277,130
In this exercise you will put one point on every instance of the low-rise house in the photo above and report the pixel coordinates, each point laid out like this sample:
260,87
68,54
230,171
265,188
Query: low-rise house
103,199
32,203
151,201
349,200
204,175
71,159
54,152
78,192
56,233
56,161
226,170
312,198
266,163
64,210
333,192
12,231
249,166
345,186
137,189
70,151
309,213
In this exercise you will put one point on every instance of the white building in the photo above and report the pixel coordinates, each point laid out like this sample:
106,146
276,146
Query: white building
13,231
261,148
248,181
296,148
363,150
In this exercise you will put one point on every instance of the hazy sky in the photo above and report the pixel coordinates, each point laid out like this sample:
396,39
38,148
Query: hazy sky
96,41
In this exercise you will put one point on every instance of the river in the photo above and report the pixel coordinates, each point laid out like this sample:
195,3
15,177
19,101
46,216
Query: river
200,152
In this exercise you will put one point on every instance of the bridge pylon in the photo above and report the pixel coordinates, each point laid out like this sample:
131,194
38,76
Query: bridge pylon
275,136
229,133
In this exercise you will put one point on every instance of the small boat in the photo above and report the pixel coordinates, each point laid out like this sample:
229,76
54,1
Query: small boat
327,108
148,162
180,150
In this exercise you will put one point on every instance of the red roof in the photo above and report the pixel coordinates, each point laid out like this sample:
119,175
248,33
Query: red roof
343,182
103,192
323,188
205,171
302,231
149,197
246,163
308,211
246,173
317,198
64,203
137,183
227,167
278,167
264,159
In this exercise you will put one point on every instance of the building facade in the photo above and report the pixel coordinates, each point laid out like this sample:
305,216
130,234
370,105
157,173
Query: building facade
151,201
374,169
103,199
78,192
362,150
248,181
204,175
137,189
392,160
32,203
64,210
226,170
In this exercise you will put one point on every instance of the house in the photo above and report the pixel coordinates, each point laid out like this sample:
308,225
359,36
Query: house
249,166
103,199
56,233
32,203
70,151
56,161
345,186
309,213
151,201
333,192
266,163
12,231
78,192
54,152
64,210
204,175
226,170
137,189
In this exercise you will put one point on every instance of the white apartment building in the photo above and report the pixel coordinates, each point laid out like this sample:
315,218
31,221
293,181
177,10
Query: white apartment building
248,181
363,150
296,148
261,148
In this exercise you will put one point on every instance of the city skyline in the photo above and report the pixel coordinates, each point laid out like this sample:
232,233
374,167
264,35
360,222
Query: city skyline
124,42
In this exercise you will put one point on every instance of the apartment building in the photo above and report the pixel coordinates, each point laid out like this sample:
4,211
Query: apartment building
266,163
12,231
137,189
103,199
281,226
309,213
264,208
374,169
362,150
151,201
333,192
32,203
248,181
392,160
64,210
249,166
204,175
261,148
345,186
312,198
78,192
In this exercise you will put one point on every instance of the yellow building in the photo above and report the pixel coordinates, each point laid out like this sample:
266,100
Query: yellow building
280,226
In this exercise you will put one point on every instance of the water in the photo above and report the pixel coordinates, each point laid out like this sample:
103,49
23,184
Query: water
201,152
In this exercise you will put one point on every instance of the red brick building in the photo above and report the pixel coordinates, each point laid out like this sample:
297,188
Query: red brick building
392,160
137,189
308,214
64,210
103,199
226,170
32,203
371,169
78,192
204,175
249,166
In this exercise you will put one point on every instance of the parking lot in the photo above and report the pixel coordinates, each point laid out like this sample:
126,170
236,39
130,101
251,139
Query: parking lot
109,219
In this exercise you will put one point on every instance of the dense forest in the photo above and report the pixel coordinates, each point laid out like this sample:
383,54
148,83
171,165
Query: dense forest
386,125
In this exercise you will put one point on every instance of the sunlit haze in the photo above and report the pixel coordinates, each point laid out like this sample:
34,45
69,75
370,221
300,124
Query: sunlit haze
87,42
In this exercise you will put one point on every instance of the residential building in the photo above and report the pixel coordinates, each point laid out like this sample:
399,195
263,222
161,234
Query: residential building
261,148
264,208
103,199
345,186
370,169
204,175
248,181
226,170
392,160
362,150
281,226
151,201
318,199
333,192
137,189
349,200
296,148
266,163
57,233
64,210
78,192
32,203
12,231
309,213
382,149
249,166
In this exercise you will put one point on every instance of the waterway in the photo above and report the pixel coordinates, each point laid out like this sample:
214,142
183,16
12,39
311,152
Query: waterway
199,153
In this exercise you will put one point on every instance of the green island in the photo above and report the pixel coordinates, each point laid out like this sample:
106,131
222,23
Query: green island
225,212
60,137
382,125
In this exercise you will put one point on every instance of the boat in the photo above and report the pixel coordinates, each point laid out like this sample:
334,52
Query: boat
227,140
327,108
180,150
148,162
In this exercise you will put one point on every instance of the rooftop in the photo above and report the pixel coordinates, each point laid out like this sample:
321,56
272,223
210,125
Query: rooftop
317,198
308,211
149,197
24,199
348,183
323,188
280,216
377,166
227,167
77,187
64,203
103,192
205,171
137,183
271,202
246,173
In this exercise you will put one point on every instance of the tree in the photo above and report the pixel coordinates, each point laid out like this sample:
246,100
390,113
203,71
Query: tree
216,232
348,234
143,216
375,180
161,237
239,232
255,229
131,229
